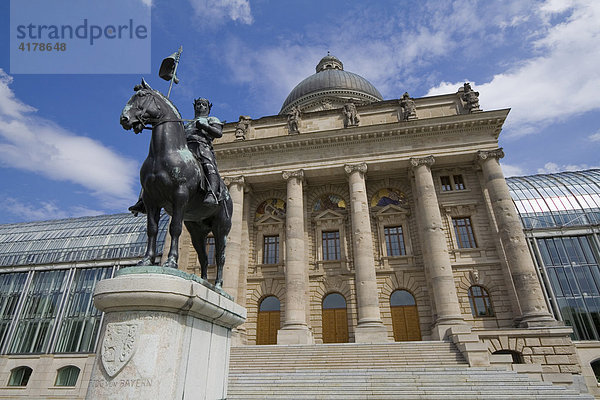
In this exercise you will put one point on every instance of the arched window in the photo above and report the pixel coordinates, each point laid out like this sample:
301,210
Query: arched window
273,206
335,319
596,368
402,298
268,322
329,201
517,358
481,305
19,376
67,376
405,316
388,196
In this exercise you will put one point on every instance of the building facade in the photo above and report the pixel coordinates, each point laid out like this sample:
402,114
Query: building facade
356,219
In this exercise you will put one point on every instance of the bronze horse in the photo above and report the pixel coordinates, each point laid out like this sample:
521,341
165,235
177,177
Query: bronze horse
173,180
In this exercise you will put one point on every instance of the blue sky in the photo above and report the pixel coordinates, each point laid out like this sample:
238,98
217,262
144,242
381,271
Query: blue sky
63,152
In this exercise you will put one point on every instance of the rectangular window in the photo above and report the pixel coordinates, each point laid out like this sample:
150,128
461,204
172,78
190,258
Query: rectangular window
210,250
394,241
446,185
271,249
331,245
464,233
11,286
459,183
81,321
38,318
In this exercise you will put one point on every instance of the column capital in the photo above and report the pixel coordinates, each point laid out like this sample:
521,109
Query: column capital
360,167
235,180
293,174
483,155
418,161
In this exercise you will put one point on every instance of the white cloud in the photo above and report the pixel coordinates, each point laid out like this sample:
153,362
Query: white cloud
595,137
217,11
551,168
272,71
44,210
390,47
512,170
562,81
31,143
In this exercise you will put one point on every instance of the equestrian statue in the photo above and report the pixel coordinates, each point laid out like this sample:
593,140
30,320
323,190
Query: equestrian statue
180,176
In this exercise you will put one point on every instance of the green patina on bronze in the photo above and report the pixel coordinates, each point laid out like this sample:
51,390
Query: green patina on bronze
157,269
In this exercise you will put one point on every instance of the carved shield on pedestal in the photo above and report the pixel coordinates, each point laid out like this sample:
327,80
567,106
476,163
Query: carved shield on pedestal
118,346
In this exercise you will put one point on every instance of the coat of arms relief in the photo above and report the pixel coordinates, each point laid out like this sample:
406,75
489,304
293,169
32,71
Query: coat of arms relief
118,346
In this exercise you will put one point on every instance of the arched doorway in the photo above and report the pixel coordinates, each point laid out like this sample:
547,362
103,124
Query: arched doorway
405,317
268,321
335,319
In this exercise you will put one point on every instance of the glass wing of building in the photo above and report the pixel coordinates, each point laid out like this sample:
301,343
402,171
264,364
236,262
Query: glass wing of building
104,237
48,273
561,219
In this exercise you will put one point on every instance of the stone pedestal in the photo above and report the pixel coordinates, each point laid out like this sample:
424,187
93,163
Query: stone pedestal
166,335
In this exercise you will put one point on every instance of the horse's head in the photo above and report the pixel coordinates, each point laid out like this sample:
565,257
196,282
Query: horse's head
141,109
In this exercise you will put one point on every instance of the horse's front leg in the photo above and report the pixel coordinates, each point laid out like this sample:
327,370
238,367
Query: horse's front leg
152,230
175,229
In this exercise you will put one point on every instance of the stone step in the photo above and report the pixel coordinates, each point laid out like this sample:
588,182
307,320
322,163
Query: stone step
415,370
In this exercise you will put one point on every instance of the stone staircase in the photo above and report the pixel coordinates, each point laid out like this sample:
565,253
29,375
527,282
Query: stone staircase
409,370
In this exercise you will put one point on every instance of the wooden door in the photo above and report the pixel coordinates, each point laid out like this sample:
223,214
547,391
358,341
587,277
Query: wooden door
335,325
405,320
267,327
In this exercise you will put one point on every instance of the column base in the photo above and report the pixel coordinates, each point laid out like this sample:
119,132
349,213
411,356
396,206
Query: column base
295,335
371,333
163,337
537,320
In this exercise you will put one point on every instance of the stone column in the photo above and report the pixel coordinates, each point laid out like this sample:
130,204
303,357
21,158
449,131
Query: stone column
295,329
231,270
435,250
370,328
534,311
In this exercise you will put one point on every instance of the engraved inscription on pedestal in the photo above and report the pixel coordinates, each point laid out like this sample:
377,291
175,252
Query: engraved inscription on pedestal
118,346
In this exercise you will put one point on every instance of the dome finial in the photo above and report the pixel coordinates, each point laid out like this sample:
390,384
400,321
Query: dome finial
329,62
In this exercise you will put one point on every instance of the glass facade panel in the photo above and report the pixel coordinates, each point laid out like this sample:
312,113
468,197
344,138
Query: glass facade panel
77,239
557,200
81,320
11,287
38,318
574,275
210,250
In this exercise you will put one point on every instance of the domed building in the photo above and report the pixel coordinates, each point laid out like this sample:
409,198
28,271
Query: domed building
383,224
330,87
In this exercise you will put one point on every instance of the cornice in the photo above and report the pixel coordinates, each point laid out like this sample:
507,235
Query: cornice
421,128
